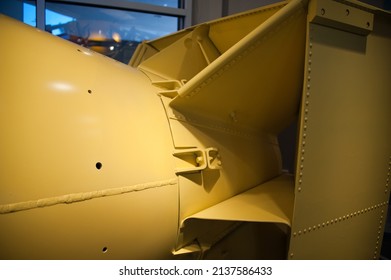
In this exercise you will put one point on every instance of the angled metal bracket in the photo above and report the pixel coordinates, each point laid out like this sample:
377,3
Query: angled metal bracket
194,160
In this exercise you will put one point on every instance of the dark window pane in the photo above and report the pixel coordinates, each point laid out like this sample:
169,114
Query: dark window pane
115,33
22,10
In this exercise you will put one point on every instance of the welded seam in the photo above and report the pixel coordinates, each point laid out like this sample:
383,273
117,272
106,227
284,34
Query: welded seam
79,197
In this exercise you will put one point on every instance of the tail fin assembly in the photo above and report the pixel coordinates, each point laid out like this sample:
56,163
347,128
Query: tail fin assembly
322,61
248,64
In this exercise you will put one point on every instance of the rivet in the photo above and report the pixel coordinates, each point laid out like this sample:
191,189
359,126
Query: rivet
303,143
309,69
308,86
343,217
340,218
308,93
336,220
291,255
309,229
305,119
304,231
299,232
302,158
310,45
332,221
300,181
301,166
305,127
318,225
327,223
294,234
314,227
299,189
309,78
309,61
302,151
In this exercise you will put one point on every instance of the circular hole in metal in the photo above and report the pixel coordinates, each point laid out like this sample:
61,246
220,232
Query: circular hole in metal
368,24
104,250
98,165
89,91
347,12
322,12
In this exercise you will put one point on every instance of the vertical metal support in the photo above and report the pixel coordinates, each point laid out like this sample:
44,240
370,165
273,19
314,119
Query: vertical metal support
41,14
188,7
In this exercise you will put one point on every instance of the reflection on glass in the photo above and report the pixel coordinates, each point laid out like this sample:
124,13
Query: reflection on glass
22,10
115,33
164,3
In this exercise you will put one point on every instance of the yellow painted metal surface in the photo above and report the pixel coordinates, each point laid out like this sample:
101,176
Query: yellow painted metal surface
78,164
344,151
177,154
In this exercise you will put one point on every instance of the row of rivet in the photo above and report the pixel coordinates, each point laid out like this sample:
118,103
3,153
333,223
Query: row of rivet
379,233
305,124
340,219
388,175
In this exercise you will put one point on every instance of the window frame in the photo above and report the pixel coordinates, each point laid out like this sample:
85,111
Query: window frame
183,12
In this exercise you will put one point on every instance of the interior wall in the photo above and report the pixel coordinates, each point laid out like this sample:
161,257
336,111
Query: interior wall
206,10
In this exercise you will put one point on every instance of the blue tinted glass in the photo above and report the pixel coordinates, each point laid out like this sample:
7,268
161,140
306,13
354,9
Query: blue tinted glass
164,3
22,10
115,33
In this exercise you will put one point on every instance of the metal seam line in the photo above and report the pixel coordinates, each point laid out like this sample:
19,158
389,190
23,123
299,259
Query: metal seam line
78,197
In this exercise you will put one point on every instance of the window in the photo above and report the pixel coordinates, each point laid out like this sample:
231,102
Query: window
22,10
164,3
114,31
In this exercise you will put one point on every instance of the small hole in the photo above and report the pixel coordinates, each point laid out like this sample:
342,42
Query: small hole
98,165
89,91
104,250
368,24
323,12
78,50
347,12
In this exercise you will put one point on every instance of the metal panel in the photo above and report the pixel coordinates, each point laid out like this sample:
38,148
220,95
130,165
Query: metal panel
344,151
